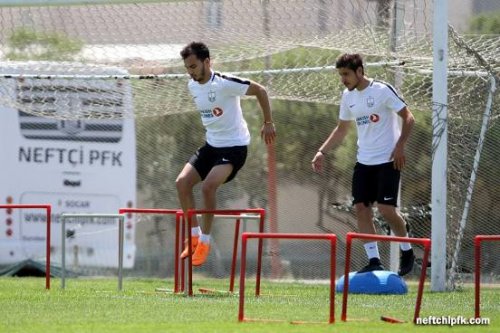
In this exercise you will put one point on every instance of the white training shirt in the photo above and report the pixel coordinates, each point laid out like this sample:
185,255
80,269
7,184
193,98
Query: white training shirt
375,111
218,102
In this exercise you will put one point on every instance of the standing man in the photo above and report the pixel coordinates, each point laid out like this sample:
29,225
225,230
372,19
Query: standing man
217,98
375,107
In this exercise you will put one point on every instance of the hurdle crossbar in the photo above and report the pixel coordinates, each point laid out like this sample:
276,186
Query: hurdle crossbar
425,242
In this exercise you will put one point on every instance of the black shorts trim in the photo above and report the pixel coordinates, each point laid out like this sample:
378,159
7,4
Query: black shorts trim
207,156
375,183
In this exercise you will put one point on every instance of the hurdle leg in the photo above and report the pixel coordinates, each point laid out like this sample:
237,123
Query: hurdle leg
477,278
178,217
48,210
343,316
183,261
259,253
189,290
333,265
427,248
243,265
235,254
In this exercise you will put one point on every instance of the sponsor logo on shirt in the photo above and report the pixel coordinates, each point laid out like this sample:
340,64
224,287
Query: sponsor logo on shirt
217,112
374,118
206,113
365,120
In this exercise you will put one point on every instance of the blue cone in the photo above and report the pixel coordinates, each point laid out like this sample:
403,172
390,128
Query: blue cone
375,282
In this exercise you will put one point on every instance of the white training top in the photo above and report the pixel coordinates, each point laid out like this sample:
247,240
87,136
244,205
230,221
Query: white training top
375,111
218,102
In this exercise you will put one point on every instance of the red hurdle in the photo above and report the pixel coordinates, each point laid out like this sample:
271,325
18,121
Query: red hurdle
477,258
352,235
178,216
48,210
332,238
237,214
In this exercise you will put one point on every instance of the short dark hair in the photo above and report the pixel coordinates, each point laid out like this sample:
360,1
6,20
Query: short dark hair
199,49
350,60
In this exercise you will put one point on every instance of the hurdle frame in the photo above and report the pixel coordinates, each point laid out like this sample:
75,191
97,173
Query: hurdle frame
332,238
48,211
121,220
233,213
426,242
178,218
478,239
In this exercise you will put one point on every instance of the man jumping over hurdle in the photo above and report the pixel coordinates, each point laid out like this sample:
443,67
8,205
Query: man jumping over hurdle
217,98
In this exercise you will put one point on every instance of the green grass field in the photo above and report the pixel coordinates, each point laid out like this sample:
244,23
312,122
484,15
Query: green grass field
95,305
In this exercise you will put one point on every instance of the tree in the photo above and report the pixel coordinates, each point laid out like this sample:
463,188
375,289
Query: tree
485,23
27,44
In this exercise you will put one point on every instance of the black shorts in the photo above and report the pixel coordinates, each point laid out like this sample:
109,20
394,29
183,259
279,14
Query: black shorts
207,157
378,183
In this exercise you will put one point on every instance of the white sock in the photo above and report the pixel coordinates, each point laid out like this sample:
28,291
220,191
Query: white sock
371,249
204,238
195,231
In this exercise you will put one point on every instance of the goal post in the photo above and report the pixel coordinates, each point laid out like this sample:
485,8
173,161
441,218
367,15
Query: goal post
439,144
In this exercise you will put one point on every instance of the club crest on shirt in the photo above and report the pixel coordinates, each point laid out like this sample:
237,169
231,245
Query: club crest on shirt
217,112
211,96
370,102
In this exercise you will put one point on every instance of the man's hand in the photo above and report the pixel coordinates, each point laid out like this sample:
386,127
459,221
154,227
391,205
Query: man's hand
398,156
268,133
317,162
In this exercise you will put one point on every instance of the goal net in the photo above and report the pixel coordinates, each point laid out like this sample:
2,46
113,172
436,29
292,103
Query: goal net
54,57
